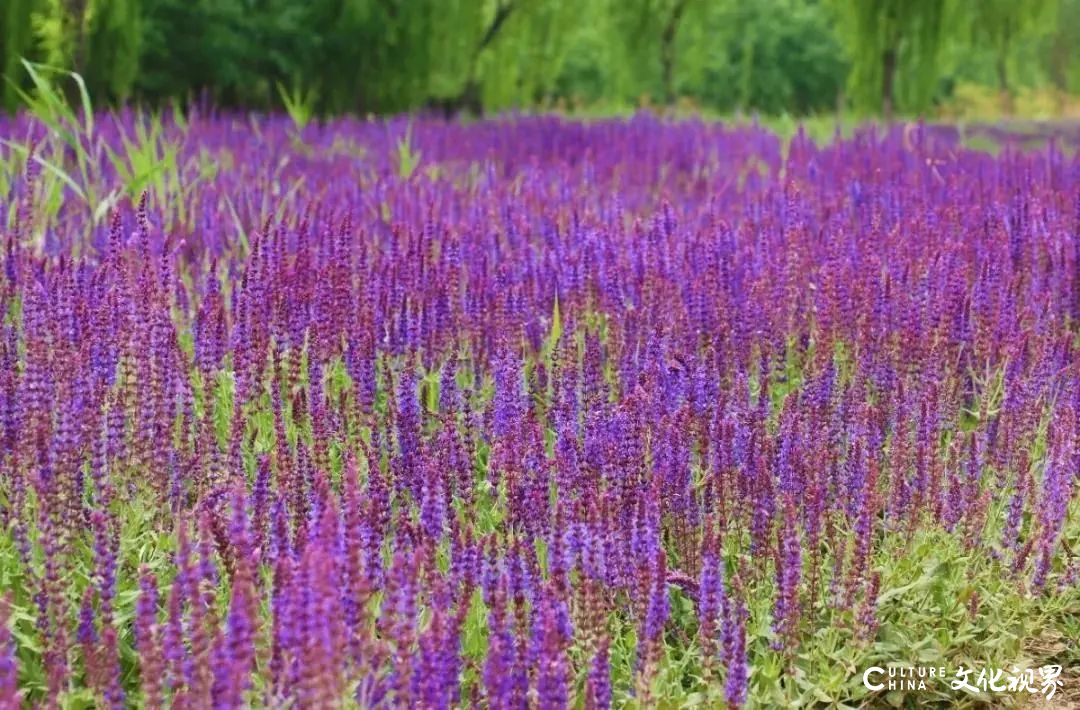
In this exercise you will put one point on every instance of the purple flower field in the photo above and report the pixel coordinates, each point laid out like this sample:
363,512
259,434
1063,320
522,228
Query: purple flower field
531,413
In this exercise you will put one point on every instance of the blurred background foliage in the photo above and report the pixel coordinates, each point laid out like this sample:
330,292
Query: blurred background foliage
775,57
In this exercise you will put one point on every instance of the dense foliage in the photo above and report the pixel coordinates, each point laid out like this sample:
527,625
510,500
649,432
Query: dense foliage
528,412
773,56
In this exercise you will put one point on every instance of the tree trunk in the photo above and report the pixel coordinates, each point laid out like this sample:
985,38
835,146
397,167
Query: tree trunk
469,99
667,72
1003,75
1059,62
1003,85
73,25
76,15
667,51
888,77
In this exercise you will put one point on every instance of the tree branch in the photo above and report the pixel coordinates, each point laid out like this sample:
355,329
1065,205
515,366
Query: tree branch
497,22
390,7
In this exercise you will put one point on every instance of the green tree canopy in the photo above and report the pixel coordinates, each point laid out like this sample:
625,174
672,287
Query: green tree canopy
384,56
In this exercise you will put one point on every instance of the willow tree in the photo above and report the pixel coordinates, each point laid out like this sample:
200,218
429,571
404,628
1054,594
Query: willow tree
672,16
113,46
894,47
1001,24
384,52
1062,59
522,65
466,32
649,28
16,41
